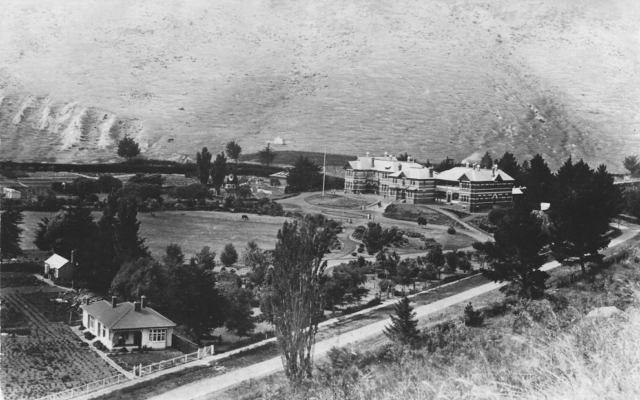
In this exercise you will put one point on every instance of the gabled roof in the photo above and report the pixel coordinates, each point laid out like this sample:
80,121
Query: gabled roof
473,175
413,173
124,316
281,174
56,261
385,164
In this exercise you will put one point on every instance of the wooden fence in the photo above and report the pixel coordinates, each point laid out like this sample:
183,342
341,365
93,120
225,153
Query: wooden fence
182,344
86,389
159,366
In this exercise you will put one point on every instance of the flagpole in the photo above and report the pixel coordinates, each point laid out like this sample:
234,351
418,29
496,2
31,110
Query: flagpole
324,170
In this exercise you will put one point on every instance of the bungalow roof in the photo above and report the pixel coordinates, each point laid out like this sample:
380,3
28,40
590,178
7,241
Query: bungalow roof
473,175
123,316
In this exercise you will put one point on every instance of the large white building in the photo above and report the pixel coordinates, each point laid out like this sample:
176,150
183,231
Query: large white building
391,178
470,187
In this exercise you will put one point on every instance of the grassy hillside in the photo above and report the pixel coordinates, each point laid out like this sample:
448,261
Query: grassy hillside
435,78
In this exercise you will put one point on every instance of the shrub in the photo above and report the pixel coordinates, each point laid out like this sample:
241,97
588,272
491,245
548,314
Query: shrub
82,328
354,254
373,302
89,336
451,230
472,317
123,350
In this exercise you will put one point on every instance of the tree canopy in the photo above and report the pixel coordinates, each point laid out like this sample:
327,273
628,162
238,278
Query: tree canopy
296,293
304,175
267,155
128,148
229,255
233,150
583,204
486,161
515,256
218,170
632,163
203,162
10,231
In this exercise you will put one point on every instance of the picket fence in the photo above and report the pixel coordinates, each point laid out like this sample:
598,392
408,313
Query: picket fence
138,371
159,366
86,389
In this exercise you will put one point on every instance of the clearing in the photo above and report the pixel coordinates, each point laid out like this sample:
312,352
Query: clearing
336,201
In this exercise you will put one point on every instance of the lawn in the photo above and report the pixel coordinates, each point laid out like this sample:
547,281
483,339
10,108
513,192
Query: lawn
48,358
335,201
129,360
411,212
17,279
190,229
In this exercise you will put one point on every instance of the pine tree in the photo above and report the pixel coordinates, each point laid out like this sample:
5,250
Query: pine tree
509,165
304,175
267,155
404,324
229,255
128,148
486,161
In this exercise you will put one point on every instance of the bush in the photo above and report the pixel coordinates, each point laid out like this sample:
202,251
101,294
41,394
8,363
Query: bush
89,336
98,345
82,328
451,230
123,350
472,317
373,302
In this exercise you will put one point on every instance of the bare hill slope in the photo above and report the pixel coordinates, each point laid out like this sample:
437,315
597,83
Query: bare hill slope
431,77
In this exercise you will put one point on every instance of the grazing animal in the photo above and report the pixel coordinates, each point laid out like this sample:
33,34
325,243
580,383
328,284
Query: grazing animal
244,217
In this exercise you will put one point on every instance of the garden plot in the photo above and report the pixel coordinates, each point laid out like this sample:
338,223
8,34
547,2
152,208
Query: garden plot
49,359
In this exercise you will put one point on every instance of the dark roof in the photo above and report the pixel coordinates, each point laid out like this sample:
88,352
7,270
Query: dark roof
124,316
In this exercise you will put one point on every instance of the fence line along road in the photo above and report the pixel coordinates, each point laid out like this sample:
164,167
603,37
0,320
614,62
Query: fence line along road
140,370
86,389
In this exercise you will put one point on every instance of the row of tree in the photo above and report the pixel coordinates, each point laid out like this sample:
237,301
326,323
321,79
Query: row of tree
583,203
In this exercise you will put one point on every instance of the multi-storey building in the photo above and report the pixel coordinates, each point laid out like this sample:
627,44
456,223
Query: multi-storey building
391,179
472,188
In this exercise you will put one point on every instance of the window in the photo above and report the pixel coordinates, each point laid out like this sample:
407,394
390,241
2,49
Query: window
92,322
104,331
157,335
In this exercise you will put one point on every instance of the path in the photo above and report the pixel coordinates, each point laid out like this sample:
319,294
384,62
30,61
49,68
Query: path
360,217
205,389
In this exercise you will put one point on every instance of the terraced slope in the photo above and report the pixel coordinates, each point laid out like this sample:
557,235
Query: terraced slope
432,77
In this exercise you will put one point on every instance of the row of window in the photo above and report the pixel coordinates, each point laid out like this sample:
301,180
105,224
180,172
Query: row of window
157,335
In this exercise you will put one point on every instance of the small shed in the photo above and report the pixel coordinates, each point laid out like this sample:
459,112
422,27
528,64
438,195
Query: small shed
11,193
58,267
278,179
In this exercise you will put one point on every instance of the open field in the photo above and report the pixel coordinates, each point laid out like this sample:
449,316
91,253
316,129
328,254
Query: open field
433,78
190,229
49,359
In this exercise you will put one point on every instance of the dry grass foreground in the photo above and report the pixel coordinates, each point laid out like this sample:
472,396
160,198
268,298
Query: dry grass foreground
524,350
436,78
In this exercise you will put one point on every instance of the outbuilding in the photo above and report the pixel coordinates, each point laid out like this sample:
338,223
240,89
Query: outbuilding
59,268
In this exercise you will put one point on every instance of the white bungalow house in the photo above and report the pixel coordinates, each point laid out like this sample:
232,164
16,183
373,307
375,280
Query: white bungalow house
130,325
10,193
58,267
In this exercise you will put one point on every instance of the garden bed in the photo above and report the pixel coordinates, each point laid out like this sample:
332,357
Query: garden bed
411,212
336,201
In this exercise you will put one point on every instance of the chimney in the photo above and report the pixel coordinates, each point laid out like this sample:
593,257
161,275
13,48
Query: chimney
143,301
408,158
430,172
372,161
494,169
73,258
114,301
136,306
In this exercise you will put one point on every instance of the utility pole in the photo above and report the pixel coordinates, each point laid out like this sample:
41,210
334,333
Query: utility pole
324,170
